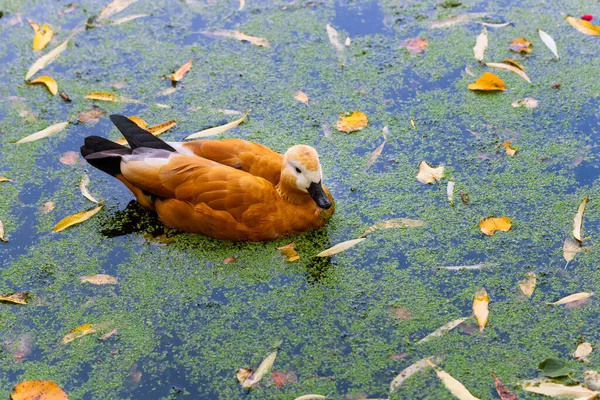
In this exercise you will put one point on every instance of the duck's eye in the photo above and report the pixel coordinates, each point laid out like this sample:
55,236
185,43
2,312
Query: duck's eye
298,170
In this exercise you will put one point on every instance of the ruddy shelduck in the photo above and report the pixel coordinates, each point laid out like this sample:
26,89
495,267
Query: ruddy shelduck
227,189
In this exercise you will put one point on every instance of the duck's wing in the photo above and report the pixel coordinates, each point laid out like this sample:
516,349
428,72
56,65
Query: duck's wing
250,157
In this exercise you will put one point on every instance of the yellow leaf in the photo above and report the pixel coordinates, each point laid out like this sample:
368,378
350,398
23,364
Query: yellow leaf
4,179
338,248
548,41
513,63
429,174
289,252
78,332
492,224
520,45
114,7
51,130
99,279
527,102
509,150
394,223
42,37
75,219
242,374
101,96
411,370
262,369
46,59
255,40
557,390
351,122
2,238
48,81
527,285
570,248
480,45
84,190
511,68
38,390
573,297
455,387
217,129
301,96
488,81
180,73
480,308
578,220
583,26
161,128
138,121
443,329
582,351
16,298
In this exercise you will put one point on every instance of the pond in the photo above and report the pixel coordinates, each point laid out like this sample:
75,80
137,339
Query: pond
187,317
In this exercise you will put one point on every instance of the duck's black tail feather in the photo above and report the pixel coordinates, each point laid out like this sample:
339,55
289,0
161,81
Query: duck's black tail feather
136,136
94,145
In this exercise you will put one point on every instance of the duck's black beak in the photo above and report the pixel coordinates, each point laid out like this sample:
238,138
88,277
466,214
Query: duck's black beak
318,195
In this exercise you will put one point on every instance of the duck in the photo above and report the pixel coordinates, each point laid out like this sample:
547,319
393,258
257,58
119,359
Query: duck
227,189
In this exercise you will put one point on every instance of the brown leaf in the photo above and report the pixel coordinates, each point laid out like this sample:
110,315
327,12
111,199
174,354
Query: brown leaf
63,95
47,207
229,260
301,96
38,390
255,40
414,45
520,45
401,313
503,392
16,297
242,374
280,378
180,73
91,115
527,285
374,155
107,335
99,279
488,82
69,158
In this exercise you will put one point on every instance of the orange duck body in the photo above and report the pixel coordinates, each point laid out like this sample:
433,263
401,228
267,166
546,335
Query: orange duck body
228,189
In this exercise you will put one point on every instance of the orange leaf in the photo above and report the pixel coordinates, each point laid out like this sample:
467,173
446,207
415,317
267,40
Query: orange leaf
180,73
138,121
509,150
480,308
488,81
492,224
40,390
351,122
520,45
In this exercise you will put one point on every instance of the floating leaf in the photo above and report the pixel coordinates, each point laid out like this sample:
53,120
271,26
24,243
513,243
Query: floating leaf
527,285
591,379
128,18
509,150
75,219
78,332
99,279
310,397
46,59
69,158
101,96
554,368
38,390
255,40
352,122
114,7
527,102
583,350
49,82
374,155
429,174
47,207
63,95
513,63
16,297
583,26
573,297
138,121
217,129
492,224
242,5
280,379
509,68
496,25
51,130
180,73
443,329
488,81
461,267
90,116
557,390
301,96
455,20
570,248
4,179
480,308
411,370
262,369
289,252
334,38
480,45
503,392
155,129
338,248
107,335
548,41
520,45
450,191
394,223
84,190
242,373
229,260
578,220
455,387
42,37
414,45
2,238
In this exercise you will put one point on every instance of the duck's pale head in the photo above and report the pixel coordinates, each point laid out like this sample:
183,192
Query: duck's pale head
302,170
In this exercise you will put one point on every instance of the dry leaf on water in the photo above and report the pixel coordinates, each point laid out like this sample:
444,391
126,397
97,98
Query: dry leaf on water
229,260
509,150
454,386
47,207
334,38
128,18
48,81
578,220
490,225
480,308
262,369
280,379
462,267
84,190
255,40
242,373
301,96
527,285
374,155
2,238
488,82
480,45
520,45
180,73
217,129
114,7
155,129
91,115
99,279
15,298
411,370
455,20
352,122
289,252
450,191
583,350
429,174
310,397
489,25
101,96
573,297
511,68
414,45
4,179
591,379
394,223
515,64
46,59
570,248
552,389
107,335
443,329
527,102
338,248
51,130
38,390
548,41
69,158
503,392
138,121
583,26
78,332
42,37
75,219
